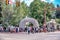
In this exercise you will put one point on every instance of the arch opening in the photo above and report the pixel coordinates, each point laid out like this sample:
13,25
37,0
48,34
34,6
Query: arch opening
29,21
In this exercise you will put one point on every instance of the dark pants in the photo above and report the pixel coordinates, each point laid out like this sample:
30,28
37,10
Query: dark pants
28,31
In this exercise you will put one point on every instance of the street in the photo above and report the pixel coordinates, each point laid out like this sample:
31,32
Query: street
35,36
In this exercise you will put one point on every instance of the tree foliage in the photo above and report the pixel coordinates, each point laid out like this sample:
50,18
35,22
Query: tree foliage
7,12
13,15
37,10
19,13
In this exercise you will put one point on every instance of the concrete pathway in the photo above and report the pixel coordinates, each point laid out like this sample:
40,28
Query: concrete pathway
35,36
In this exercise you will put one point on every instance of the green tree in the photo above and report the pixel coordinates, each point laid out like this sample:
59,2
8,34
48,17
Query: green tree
37,10
7,12
57,14
19,13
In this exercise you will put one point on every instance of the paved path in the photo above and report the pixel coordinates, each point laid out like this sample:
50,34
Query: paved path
35,36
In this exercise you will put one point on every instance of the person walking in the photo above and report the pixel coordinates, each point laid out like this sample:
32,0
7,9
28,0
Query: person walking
29,30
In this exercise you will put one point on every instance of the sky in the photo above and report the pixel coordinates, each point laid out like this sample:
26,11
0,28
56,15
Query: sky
55,2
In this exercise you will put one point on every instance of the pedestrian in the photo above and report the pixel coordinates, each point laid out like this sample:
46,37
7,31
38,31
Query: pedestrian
29,30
